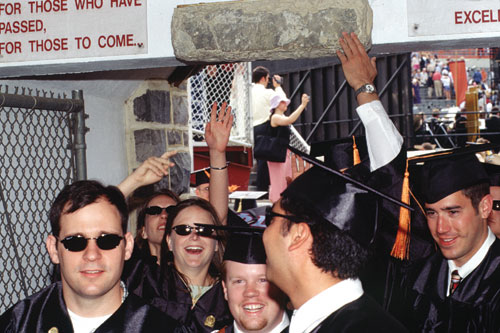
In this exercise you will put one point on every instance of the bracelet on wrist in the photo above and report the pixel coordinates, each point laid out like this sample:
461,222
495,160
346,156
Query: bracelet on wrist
214,168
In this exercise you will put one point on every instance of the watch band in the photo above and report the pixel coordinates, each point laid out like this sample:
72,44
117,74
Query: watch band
366,88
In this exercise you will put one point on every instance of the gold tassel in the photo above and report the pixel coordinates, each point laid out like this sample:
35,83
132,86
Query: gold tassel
401,247
355,152
207,173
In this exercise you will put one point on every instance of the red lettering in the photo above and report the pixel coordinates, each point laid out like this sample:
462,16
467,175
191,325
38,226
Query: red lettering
492,17
47,6
88,4
485,16
47,45
10,8
125,3
16,27
458,16
474,16
467,17
116,41
10,47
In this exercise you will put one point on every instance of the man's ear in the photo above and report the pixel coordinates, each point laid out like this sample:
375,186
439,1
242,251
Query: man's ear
51,245
485,206
299,234
225,289
129,245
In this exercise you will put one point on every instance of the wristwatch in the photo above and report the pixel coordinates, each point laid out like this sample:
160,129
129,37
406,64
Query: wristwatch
366,88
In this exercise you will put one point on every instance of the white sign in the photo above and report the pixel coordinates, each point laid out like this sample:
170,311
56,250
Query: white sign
63,29
447,17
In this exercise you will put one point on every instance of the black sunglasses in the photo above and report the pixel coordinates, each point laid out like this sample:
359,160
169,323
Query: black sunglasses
270,215
184,230
156,210
79,243
496,205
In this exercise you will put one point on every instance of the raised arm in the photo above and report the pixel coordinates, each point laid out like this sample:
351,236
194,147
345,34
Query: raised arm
150,171
217,133
282,120
383,139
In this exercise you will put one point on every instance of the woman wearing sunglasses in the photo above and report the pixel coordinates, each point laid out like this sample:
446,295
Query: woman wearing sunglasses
190,289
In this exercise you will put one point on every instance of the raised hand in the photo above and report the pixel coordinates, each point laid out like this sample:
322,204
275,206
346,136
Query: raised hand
358,68
218,129
150,171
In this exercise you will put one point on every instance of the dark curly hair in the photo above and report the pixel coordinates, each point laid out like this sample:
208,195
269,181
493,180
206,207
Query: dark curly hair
166,256
140,242
333,250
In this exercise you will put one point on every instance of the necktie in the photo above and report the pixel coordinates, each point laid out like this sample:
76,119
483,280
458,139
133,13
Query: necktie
455,280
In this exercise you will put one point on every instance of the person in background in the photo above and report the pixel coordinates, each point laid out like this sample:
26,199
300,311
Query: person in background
261,102
278,172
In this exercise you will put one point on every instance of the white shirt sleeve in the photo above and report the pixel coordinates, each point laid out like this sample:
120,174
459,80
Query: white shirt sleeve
382,137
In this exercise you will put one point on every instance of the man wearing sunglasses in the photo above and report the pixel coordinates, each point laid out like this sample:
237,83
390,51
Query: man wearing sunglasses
90,243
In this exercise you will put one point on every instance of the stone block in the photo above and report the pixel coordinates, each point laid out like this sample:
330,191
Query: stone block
251,30
153,106
181,113
148,143
174,137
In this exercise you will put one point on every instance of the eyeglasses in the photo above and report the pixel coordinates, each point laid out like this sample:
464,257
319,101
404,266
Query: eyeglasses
270,215
496,205
156,210
79,243
184,230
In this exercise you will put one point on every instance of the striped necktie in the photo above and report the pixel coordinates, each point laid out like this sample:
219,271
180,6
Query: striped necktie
455,280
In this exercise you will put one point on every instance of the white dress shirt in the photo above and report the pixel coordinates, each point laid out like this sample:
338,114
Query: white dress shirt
318,308
261,98
382,137
473,262
277,329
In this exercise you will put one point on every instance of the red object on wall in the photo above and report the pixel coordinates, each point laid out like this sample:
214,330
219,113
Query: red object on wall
240,164
459,73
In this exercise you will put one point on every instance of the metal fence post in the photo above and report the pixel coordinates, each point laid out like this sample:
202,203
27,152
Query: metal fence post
79,144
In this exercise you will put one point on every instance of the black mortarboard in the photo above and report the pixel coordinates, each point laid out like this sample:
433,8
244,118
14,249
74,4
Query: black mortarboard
340,200
340,153
202,176
244,244
447,172
493,172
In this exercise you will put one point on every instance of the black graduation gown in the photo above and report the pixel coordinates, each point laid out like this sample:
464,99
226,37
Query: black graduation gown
46,309
361,315
473,307
208,314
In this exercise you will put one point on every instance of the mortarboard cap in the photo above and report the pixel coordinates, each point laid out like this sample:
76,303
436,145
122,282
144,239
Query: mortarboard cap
341,153
339,199
447,172
202,176
244,244
493,172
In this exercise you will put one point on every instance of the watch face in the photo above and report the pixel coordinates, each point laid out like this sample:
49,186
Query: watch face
369,88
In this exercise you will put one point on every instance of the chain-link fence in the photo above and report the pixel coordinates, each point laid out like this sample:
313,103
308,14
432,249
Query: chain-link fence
222,83
36,161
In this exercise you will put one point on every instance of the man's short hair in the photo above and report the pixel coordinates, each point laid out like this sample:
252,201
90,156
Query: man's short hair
333,250
258,73
475,193
83,193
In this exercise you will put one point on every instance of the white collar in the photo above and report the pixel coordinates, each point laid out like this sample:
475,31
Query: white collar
277,329
473,262
316,309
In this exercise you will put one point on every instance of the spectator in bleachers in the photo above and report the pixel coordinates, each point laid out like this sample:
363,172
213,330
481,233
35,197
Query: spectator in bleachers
438,85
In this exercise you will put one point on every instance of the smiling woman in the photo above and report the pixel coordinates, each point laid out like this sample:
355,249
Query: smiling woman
191,257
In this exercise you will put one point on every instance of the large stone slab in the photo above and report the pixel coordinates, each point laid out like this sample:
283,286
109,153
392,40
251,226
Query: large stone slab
251,30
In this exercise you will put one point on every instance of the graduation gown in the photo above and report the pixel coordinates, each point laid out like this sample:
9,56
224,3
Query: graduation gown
46,310
361,315
230,329
473,307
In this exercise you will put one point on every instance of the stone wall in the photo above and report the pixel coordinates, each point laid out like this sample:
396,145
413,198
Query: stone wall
251,30
157,120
